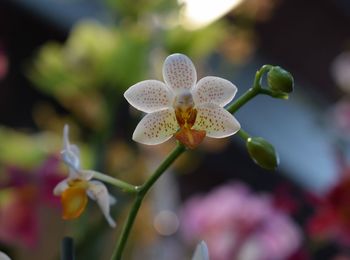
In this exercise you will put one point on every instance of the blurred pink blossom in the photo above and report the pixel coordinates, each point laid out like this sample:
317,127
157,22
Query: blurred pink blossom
237,224
331,220
4,64
18,219
22,193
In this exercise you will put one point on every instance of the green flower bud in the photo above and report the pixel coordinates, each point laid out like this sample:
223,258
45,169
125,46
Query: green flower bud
262,153
280,80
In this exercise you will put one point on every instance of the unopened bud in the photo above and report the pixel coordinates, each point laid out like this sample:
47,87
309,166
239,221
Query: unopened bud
262,153
280,80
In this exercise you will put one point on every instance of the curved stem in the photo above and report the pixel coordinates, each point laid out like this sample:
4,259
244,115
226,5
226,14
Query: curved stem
259,74
243,134
116,182
118,252
251,93
274,94
142,191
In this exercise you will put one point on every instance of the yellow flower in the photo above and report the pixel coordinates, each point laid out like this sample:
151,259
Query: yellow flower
181,106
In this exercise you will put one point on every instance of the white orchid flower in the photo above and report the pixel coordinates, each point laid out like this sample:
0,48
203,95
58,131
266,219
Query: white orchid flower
75,189
181,106
201,252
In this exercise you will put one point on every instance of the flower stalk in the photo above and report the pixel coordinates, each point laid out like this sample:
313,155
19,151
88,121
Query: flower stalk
124,186
142,190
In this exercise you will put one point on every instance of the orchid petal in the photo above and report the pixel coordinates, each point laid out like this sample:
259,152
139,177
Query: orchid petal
85,174
70,153
98,192
202,252
70,159
156,128
213,90
149,96
179,72
112,200
216,121
60,187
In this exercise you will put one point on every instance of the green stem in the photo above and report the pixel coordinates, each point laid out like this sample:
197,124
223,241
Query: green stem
142,191
252,92
243,134
275,94
259,74
116,182
118,252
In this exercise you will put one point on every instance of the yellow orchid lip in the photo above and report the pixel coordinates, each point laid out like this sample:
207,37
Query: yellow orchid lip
74,199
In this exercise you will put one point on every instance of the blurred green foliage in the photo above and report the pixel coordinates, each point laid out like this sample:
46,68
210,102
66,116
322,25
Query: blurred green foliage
88,73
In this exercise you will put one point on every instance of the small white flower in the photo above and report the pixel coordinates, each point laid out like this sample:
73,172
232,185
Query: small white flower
181,106
201,252
75,189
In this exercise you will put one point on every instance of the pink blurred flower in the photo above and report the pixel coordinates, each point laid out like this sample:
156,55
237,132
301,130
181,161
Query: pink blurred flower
18,220
3,64
21,195
332,218
237,224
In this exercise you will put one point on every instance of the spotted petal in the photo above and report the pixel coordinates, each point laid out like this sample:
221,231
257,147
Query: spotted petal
98,192
215,90
156,128
179,72
149,96
216,121
201,252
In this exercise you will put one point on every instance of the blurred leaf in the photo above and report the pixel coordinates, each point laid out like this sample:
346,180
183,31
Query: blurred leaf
137,8
28,150
196,43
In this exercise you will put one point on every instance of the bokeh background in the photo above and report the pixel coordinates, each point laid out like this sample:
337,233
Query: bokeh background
69,61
